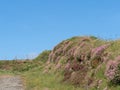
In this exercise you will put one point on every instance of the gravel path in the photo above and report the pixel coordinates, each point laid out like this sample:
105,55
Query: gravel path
11,83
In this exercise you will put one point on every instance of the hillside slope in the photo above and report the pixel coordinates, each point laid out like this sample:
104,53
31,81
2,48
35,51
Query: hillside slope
86,62
78,63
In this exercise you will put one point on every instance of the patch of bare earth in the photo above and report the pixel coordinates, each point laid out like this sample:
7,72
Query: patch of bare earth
11,83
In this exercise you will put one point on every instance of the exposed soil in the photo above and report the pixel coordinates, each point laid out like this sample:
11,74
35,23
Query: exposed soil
11,83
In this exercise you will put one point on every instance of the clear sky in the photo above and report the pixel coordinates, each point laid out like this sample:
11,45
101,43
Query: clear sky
27,27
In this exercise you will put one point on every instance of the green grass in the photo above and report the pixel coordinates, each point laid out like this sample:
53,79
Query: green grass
36,80
115,88
4,72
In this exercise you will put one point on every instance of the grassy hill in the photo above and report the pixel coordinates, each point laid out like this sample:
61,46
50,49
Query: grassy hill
78,63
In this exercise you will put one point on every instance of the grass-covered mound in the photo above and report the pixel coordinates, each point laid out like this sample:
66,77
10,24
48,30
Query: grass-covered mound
78,63
86,62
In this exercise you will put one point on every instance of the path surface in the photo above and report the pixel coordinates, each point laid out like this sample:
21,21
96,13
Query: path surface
11,83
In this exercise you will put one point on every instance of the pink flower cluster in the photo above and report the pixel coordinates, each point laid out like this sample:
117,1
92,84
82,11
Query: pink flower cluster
111,69
99,50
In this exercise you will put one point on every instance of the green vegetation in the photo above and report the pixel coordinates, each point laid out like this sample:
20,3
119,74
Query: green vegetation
43,57
78,63
36,80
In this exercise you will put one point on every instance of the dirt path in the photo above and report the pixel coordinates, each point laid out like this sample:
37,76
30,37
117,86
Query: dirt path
11,83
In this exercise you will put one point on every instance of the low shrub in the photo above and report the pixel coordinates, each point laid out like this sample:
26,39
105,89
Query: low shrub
43,56
116,80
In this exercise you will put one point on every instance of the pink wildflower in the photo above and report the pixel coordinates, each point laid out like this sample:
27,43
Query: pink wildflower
99,50
111,69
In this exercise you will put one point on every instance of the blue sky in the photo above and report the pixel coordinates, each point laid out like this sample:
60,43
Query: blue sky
27,27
